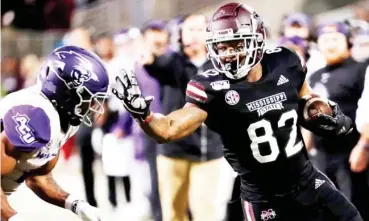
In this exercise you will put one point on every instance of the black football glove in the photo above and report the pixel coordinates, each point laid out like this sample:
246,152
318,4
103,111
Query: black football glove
324,125
131,97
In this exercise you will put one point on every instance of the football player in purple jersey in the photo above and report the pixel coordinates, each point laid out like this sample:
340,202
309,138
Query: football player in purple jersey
35,122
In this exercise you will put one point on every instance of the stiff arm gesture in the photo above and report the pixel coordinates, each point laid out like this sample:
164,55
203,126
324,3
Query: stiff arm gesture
174,126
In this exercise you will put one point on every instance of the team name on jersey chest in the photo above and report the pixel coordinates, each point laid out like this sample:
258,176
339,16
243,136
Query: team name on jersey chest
272,102
259,100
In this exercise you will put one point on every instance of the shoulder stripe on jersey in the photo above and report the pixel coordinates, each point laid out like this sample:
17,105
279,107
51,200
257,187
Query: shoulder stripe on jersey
196,92
196,97
197,85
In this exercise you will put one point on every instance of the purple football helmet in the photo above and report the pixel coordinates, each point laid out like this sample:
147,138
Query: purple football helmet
76,82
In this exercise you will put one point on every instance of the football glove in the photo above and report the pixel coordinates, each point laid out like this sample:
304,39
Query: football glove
131,97
84,210
324,125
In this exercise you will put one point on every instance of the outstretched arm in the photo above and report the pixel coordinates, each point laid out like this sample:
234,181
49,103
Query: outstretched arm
176,125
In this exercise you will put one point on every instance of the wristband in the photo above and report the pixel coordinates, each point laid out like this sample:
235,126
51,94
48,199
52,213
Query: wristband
148,118
71,203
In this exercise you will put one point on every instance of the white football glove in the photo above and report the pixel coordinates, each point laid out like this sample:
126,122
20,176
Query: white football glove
84,210
131,97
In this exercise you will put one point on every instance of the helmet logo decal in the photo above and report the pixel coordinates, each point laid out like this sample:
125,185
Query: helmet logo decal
81,72
227,32
80,75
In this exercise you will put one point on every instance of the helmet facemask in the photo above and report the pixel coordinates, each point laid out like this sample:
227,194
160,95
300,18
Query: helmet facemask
90,104
235,54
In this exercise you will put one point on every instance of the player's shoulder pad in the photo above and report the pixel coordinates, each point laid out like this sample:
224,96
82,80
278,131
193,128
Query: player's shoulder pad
287,63
208,79
208,75
283,56
27,127
202,86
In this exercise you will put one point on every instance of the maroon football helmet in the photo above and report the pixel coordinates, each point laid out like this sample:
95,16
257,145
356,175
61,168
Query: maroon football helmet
235,40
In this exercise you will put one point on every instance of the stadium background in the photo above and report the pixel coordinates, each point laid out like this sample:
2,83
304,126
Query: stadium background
33,28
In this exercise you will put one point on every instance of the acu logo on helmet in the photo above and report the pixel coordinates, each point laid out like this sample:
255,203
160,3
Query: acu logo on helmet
82,71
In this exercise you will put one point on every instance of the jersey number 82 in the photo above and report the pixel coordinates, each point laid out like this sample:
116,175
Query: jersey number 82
291,148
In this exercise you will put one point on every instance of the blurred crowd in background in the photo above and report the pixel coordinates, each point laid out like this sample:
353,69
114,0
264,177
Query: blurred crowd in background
188,178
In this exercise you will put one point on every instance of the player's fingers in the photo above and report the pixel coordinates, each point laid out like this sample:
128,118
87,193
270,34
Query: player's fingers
119,95
326,120
121,82
134,82
127,79
149,98
136,90
130,77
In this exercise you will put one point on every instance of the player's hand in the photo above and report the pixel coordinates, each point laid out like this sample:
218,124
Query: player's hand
131,97
359,158
86,212
343,124
337,124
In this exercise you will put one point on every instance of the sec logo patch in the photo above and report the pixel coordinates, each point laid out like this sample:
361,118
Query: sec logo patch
232,97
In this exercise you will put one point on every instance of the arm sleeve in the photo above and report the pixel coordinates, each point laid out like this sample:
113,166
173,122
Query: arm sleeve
162,69
27,127
362,116
198,94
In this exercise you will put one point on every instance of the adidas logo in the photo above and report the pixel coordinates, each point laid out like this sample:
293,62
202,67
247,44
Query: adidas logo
318,183
282,80
343,130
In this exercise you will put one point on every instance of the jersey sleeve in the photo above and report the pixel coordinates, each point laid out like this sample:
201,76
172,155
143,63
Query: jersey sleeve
27,127
198,92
